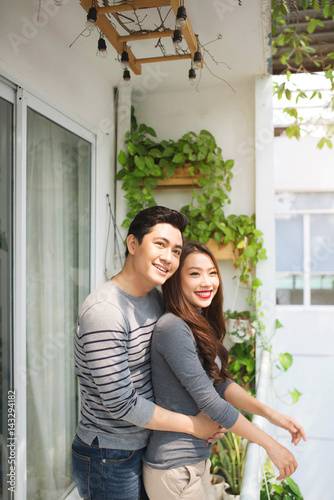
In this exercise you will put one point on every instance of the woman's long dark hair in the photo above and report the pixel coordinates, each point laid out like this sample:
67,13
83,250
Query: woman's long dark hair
208,328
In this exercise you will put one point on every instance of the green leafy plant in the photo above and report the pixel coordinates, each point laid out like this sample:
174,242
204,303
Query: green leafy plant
296,51
228,458
147,161
272,490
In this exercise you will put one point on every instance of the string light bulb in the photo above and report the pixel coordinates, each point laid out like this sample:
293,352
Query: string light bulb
177,39
125,60
91,19
192,76
127,77
181,18
102,48
197,60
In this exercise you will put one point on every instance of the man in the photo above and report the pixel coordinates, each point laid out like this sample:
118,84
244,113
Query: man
112,352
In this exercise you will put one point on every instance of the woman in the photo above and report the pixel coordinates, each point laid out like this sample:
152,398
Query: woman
188,363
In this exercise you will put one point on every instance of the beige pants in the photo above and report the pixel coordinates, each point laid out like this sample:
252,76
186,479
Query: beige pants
190,482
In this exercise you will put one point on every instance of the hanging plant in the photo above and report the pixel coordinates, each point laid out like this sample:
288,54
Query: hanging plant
147,162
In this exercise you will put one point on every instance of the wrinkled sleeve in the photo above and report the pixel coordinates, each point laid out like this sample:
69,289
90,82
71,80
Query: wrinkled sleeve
103,343
175,342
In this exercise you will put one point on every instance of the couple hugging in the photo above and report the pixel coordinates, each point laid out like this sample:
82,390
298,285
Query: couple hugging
154,386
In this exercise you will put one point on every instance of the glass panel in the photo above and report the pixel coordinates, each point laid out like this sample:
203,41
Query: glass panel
58,242
7,400
304,201
289,289
322,290
289,243
322,243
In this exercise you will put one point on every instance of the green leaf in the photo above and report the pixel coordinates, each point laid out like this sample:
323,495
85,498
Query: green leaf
168,152
122,158
295,395
179,158
131,148
285,360
278,324
249,252
170,170
150,131
294,487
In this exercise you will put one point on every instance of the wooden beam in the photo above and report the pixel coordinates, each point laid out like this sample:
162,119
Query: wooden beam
146,36
135,5
111,34
187,32
148,60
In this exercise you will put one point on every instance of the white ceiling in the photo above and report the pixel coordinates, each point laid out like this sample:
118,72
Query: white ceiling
241,52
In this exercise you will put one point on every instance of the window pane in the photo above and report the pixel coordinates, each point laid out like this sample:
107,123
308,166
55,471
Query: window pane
289,243
289,289
322,243
304,201
7,399
322,290
58,242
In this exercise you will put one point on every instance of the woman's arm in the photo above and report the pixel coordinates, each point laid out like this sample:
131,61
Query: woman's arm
281,457
239,398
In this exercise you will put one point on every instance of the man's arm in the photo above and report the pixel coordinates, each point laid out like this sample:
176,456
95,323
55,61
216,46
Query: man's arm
103,347
200,426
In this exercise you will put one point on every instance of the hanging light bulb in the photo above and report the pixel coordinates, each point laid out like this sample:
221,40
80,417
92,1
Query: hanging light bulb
197,60
126,76
181,17
125,60
91,19
177,39
192,76
102,48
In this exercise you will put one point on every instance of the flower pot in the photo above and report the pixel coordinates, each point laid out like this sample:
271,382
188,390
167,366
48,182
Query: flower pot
217,487
220,251
230,496
181,177
237,331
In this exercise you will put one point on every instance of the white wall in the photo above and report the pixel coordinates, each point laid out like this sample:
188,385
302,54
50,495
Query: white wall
35,53
301,166
230,118
308,333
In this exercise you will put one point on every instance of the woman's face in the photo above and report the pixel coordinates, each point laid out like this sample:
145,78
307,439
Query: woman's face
199,280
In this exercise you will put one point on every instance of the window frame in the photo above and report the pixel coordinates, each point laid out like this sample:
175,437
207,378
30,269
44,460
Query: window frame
306,272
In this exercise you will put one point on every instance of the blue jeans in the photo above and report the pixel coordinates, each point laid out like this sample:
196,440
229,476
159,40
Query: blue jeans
107,474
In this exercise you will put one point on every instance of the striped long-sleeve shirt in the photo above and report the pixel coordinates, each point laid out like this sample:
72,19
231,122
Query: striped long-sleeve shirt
112,357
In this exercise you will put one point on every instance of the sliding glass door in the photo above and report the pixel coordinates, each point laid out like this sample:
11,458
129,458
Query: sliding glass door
58,272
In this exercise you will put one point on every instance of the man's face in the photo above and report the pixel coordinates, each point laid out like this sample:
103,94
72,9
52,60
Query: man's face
158,255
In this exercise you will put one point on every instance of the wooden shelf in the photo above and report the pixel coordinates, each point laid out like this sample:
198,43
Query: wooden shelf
181,177
220,251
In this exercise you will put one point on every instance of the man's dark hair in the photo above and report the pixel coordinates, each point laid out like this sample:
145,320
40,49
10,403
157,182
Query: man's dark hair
146,219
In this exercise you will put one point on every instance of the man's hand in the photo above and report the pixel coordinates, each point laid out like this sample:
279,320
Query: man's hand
204,427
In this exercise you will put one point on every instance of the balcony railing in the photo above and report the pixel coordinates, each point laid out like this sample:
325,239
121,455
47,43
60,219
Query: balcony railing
256,455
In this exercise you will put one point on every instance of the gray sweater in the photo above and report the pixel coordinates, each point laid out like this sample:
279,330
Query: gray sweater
180,384
112,360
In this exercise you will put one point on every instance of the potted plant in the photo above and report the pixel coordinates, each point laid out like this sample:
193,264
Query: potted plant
240,326
228,458
278,490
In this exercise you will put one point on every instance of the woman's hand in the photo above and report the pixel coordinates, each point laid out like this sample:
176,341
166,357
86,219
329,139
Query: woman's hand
288,423
283,459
